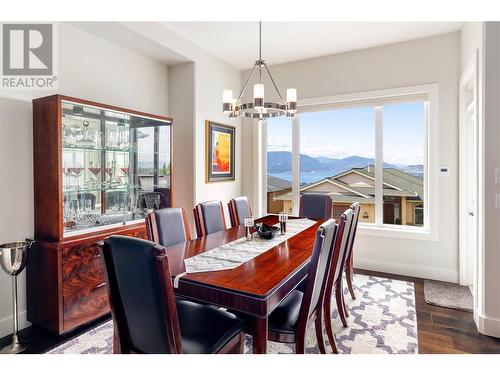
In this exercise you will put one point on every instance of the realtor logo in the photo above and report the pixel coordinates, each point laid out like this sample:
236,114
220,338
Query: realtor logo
28,56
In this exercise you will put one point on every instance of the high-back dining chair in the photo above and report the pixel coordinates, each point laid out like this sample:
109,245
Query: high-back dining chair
239,208
316,206
147,318
168,226
289,321
209,218
348,264
334,280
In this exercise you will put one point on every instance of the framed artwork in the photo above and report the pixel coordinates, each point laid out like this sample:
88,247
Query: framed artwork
219,152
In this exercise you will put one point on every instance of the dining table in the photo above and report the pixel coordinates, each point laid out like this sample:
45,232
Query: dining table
254,288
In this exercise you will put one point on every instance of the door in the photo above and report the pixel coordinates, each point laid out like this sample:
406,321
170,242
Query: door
472,178
469,174
388,213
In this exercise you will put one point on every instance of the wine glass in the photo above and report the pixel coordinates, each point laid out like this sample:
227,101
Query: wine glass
95,171
76,171
125,171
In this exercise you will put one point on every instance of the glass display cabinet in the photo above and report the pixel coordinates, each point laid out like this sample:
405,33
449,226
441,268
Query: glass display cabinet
115,166
98,171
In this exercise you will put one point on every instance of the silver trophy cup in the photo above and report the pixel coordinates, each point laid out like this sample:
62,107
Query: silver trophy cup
13,260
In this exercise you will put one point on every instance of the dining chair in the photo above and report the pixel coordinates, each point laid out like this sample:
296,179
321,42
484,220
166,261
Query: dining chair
349,264
209,218
239,208
168,226
148,318
315,206
289,321
334,280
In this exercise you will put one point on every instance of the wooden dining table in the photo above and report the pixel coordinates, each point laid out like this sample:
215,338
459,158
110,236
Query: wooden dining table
254,288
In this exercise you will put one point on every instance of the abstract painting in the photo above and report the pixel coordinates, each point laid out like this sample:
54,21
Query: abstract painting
219,152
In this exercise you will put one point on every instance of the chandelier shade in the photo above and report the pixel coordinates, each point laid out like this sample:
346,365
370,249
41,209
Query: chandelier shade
259,108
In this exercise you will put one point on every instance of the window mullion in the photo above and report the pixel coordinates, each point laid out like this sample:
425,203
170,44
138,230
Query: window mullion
295,164
379,165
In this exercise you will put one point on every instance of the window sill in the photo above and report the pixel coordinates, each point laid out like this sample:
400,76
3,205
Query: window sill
396,231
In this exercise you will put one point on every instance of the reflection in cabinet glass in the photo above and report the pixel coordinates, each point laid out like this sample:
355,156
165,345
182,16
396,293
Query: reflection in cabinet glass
115,166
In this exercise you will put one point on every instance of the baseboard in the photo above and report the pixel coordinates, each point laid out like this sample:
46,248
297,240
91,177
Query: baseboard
6,324
405,269
487,326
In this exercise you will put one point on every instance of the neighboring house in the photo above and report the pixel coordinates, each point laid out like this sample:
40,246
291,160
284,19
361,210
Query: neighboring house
403,194
276,186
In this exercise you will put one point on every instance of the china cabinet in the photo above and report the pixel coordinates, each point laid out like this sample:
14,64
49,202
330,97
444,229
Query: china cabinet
98,170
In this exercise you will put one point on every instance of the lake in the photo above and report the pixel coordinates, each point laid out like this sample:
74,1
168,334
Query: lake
305,177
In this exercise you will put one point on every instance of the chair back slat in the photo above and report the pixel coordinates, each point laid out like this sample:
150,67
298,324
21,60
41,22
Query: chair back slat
209,218
141,296
318,269
316,206
352,235
239,208
339,251
168,226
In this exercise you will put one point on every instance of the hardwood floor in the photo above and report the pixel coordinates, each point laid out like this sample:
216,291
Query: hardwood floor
440,330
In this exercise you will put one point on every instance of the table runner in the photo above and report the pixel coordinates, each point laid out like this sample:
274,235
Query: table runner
235,253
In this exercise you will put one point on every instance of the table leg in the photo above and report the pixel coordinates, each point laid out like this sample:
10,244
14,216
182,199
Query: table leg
260,336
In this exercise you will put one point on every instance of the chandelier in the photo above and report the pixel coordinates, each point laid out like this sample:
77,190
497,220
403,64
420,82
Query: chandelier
259,108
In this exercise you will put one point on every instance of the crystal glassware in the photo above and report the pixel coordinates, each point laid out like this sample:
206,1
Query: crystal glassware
76,172
283,217
248,222
95,171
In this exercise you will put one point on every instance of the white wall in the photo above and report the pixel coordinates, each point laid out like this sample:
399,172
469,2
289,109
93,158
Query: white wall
181,104
89,68
212,76
423,61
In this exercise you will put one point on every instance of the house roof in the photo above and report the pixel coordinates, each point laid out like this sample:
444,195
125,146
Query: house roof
397,178
277,184
397,183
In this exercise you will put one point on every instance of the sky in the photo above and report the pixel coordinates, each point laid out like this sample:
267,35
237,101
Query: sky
345,132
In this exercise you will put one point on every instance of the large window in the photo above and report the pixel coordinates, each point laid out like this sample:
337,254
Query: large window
337,157
372,151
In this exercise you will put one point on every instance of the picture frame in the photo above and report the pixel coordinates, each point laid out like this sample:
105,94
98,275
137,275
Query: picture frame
219,152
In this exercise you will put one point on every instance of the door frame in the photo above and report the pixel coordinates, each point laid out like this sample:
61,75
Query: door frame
468,85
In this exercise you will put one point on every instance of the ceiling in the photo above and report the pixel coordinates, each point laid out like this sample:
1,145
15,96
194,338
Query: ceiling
237,42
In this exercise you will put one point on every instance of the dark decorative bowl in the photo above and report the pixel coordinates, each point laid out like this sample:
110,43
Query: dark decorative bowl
266,231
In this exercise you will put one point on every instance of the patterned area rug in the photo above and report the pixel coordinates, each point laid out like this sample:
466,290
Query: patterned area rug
382,319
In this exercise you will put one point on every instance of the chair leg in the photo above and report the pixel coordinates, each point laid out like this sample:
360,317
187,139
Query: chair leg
340,304
349,278
342,297
243,339
300,342
319,333
328,325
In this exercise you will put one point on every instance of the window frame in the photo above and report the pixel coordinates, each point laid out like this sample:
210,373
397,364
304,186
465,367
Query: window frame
376,99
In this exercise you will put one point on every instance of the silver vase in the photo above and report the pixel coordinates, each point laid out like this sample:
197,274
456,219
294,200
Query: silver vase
13,260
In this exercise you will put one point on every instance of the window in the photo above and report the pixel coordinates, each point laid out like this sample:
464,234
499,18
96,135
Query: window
404,150
279,165
337,157
418,214
367,148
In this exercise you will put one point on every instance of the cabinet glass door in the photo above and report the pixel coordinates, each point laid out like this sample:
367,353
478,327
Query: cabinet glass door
116,166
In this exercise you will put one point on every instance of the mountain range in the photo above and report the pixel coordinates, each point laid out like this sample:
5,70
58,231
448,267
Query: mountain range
281,161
